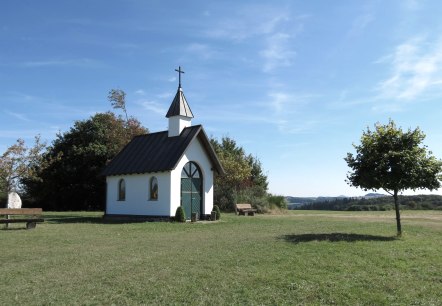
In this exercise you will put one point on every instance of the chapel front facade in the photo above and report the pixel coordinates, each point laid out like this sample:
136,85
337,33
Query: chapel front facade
156,173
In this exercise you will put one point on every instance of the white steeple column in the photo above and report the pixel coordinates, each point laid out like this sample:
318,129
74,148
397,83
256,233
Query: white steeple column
180,115
177,124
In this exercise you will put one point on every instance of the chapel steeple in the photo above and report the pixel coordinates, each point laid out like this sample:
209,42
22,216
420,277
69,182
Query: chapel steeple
179,113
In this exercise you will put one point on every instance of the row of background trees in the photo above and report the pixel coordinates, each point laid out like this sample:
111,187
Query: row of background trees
373,204
66,174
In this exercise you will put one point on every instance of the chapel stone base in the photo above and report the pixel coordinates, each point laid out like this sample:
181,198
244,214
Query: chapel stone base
143,218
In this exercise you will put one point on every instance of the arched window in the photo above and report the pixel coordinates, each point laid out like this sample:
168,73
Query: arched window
153,188
121,190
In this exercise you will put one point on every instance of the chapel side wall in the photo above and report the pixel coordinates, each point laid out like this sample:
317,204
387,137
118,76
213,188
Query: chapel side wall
196,153
137,200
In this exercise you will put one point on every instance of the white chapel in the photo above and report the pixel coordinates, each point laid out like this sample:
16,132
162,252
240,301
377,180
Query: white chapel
157,172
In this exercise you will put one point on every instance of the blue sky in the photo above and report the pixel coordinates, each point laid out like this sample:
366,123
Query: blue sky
293,82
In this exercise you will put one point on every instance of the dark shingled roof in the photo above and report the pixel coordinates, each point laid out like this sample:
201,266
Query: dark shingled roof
157,152
179,106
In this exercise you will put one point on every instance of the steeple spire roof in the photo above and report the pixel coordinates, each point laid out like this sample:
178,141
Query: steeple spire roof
179,106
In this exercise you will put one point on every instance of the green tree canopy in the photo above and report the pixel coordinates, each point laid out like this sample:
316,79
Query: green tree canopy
72,181
17,162
243,174
393,160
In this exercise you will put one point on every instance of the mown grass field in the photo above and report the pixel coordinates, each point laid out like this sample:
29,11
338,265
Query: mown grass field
302,257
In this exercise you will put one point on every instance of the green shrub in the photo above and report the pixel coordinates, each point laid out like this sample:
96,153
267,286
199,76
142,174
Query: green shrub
412,204
253,196
180,215
277,200
218,212
261,204
427,206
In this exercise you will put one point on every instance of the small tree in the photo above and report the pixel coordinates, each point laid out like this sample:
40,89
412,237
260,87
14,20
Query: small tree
117,98
18,162
393,160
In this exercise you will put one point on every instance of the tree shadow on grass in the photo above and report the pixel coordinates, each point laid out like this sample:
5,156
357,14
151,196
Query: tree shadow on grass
334,237
73,219
63,219
2,228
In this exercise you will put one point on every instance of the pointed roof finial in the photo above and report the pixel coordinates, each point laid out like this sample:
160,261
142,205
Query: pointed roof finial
179,106
179,75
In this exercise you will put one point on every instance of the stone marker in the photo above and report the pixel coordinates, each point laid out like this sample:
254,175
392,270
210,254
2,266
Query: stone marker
14,200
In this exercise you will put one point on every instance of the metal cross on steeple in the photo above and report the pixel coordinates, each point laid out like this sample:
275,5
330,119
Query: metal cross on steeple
179,75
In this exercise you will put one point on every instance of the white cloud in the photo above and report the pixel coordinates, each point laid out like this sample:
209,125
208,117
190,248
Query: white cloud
80,62
286,106
360,24
416,67
278,100
18,116
165,95
272,24
388,108
247,23
153,106
140,92
298,127
286,102
411,5
270,28
277,52
201,50
20,96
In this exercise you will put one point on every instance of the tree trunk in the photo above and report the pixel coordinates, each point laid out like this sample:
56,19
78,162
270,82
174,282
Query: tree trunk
398,215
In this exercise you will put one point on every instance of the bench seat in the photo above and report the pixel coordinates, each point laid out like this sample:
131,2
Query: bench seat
33,216
245,209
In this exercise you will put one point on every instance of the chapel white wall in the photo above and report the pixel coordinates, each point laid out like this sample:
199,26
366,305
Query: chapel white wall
137,201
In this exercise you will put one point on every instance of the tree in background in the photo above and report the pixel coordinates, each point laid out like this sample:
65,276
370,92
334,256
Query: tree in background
117,98
18,162
243,181
72,181
393,160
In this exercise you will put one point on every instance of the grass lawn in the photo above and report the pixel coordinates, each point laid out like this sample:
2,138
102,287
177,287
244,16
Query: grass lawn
302,257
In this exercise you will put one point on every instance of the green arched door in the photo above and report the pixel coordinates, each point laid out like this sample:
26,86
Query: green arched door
191,189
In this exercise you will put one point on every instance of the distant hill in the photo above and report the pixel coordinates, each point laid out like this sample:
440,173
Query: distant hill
296,202
375,195
371,201
299,201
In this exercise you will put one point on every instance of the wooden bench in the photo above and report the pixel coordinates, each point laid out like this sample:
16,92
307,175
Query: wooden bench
30,216
245,209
